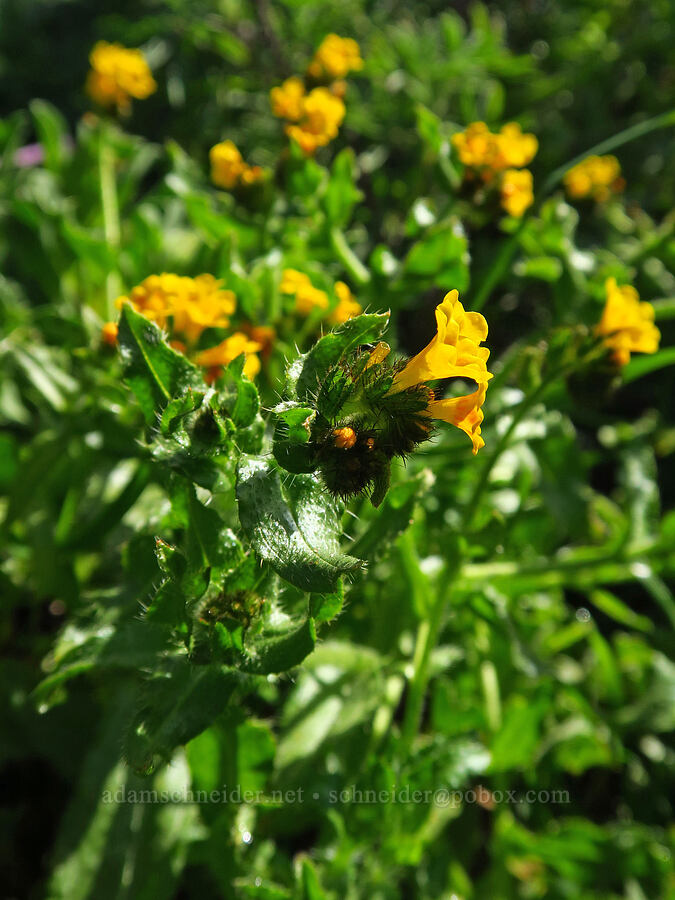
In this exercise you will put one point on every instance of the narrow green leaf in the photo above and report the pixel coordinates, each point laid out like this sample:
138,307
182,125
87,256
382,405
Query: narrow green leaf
154,372
651,362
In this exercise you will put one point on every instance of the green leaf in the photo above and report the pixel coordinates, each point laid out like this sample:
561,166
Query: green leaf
441,256
341,193
300,544
616,609
154,371
291,437
276,653
51,128
238,393
175,705
542,268
330,349
643,365
324,607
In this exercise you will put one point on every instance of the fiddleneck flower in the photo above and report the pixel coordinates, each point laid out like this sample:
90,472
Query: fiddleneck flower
228,168
287,99
118,75
627,325
222,354
516,191
335,58
454,352
597,177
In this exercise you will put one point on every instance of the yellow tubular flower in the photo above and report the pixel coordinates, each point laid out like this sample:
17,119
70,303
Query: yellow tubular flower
516,191
476,146
227,165
627,325
291,280
335,58
118,75
233,346
322,115
515,149
454,352
347,306
596,176
287,99
307,297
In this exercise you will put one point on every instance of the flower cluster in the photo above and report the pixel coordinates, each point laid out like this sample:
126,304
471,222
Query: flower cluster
627,325
335,58
117,76
228,169
499,158
597,177
186,308
309,299
314,116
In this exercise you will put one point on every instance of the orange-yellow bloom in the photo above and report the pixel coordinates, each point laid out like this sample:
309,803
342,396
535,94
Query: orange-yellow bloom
596,176
322,115
627,325
454,352
189,305
489,152
118,75
221,355
228,169
516,191
287,99
335,58
347,306
515,149
307,297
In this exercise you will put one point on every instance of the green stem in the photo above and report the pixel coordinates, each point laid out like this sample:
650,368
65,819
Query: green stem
427,635
358,272
606,146
501,264
111,214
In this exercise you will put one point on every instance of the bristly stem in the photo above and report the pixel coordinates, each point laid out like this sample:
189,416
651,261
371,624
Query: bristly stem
110,209
509,248
357,271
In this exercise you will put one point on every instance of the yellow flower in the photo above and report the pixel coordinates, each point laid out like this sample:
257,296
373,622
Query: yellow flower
476,146
307,297
118,75
191,304
347,306
596,176
454,352
287,99
627,325
322,115
516,191
335,58
515,149
233,346
480,148
228,169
